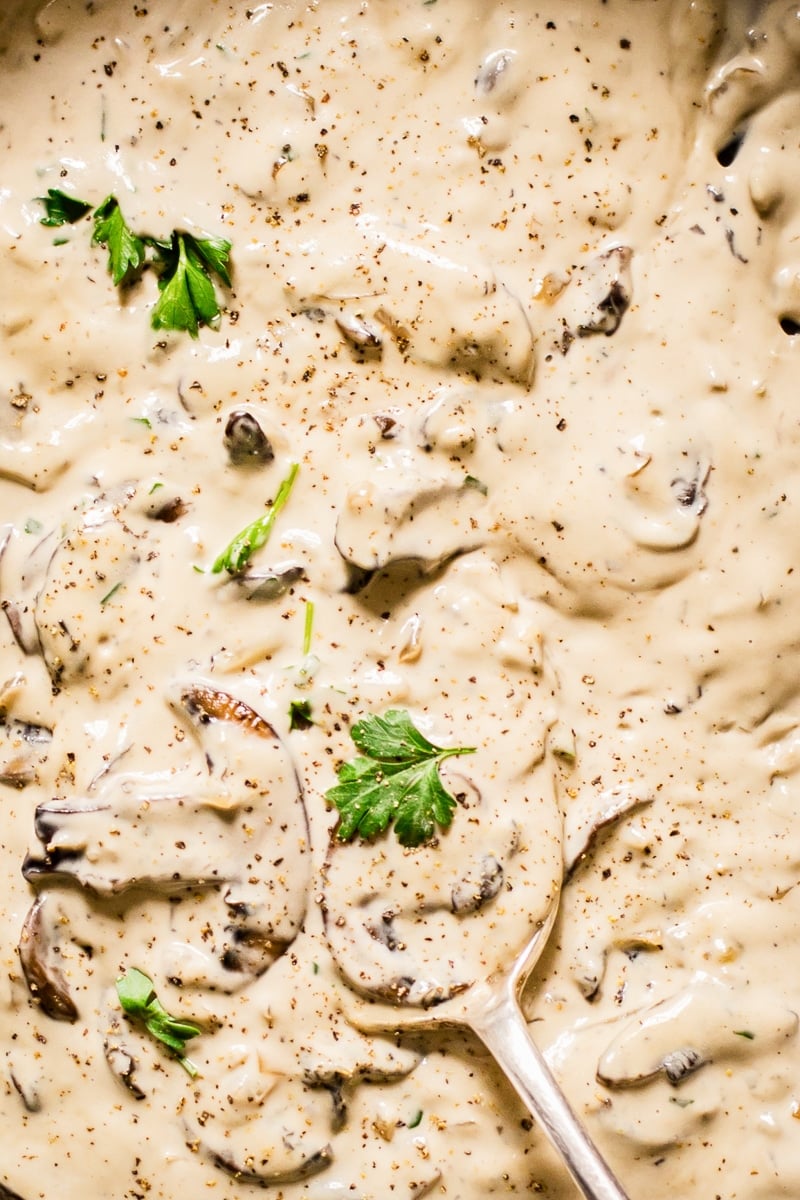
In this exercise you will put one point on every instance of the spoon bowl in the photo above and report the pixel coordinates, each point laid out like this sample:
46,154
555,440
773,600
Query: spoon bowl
447,934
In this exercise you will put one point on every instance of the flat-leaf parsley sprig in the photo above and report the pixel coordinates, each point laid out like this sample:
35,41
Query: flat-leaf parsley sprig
395,781
139,1001
236,555
185,263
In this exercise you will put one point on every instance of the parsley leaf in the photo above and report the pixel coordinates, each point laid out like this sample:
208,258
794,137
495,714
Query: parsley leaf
62,208
216,254
236,555
397,781
126,249
138,999
300,714
188,298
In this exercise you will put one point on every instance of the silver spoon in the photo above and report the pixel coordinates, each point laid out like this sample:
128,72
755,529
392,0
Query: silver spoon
436,955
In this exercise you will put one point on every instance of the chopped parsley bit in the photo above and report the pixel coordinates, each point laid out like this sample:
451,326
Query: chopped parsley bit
139,1001
143,421
300,714
235,557
111,593
470,481
186,265
416,1119
681,1101
61,208
126,251
33,526
744,1033
397,781
315,968
308,627
155,488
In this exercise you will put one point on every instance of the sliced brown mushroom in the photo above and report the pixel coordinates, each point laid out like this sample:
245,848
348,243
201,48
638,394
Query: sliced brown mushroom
587,819
480,883
90,572
271,1169
240,829
120,1058
416,519
21,577
707,1021
597,297
7,1194
22,743
362,335
274,1128
26,1088
245,440
438,308
263,586
493,70
39,953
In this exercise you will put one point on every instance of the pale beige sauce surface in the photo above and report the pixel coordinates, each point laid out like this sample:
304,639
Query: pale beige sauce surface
524,311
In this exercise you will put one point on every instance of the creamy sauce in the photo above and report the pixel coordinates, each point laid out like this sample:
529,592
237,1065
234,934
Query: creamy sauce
517,287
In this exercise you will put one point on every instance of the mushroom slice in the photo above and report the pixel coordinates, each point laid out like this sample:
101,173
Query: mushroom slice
707,1021
25,1071
598,296
241,829
417,519
245,440
479,884
273,1129
586,821
21,576
360,333
91,572
39,954
263,586
21,742
7,1194
121,1060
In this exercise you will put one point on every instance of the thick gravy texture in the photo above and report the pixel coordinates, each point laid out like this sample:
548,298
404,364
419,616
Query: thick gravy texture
510,334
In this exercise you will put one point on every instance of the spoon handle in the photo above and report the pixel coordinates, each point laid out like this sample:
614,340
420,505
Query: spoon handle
504,1032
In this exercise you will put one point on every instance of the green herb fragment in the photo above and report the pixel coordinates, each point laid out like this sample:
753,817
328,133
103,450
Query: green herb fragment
139,1001
185,265
416,1119
235,557
308,627
105,599
681,1101
471,481
155,488
315,968
33,526
300,714
745,1033
126,250
397,781
143,421
62,208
